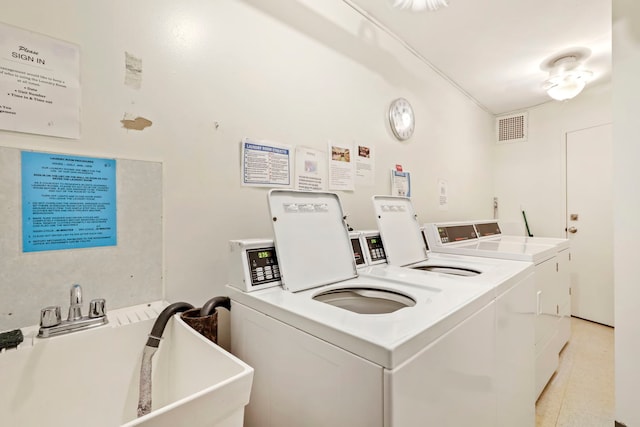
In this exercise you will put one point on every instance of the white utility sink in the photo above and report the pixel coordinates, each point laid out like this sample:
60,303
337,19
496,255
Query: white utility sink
91,378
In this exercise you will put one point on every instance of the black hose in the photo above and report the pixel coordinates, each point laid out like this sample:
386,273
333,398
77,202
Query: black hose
526,223
163,318
210,306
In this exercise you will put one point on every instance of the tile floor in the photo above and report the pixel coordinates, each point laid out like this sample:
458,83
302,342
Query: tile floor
581,393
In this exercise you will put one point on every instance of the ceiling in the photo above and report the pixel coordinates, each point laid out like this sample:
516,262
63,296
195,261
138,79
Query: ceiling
496,51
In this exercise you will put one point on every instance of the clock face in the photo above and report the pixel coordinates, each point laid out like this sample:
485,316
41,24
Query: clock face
401,119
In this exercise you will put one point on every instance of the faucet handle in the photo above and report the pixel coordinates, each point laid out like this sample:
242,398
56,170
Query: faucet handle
50,316
97,308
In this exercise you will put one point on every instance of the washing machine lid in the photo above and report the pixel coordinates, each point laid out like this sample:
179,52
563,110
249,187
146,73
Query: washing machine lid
399,230
311,237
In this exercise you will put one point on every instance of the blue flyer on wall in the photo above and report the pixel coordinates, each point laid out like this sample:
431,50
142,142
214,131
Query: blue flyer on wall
68,202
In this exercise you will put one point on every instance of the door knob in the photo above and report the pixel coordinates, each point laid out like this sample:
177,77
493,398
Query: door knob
572,230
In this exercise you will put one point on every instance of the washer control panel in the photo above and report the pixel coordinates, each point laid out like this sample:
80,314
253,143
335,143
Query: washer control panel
375,249
253,264
263,265
457,233
358,254
485,229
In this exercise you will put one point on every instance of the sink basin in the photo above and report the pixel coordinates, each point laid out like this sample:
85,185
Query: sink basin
92,377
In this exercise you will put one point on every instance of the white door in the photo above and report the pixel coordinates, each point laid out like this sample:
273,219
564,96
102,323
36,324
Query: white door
590,222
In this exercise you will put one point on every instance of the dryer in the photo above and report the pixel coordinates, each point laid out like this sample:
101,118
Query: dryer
331,348
490,230
552,324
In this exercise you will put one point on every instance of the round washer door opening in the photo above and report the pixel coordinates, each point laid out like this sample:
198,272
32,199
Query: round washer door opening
444,269
366,300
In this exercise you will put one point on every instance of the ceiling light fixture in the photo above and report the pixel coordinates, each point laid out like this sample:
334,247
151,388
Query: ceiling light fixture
565,79
420,5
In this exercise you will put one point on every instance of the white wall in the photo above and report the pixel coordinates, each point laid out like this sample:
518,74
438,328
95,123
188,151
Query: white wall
626,154
531,175
297,72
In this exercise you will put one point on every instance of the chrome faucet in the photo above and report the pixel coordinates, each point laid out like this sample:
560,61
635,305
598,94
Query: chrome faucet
75,306
51,323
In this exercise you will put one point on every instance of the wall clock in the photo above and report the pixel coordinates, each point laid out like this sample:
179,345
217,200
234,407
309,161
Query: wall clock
401,119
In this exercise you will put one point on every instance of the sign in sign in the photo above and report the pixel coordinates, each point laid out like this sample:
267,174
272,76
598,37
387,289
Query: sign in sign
67,202
39,84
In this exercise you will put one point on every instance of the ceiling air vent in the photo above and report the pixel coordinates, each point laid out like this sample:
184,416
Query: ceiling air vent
511,128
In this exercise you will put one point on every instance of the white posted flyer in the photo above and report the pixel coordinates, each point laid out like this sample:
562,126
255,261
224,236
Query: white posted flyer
365,165
311,169
39,84
341,167
266,164
400,183
443,195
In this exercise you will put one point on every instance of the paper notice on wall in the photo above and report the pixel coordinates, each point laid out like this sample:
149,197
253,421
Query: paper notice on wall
365,165
341,167
311,169
39,84
68,202
443,195
132,71
266,164
400,183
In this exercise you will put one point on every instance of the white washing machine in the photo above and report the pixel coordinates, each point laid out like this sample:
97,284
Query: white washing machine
514,325
333,349
402,243
552,324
